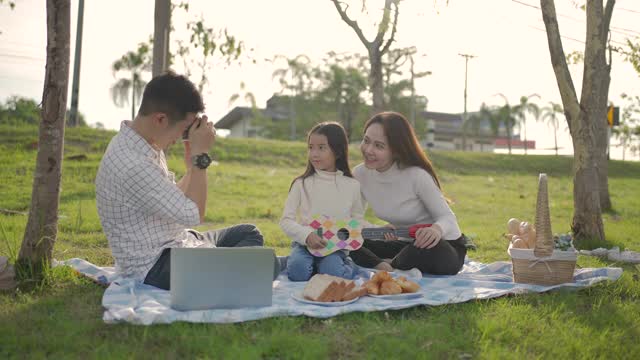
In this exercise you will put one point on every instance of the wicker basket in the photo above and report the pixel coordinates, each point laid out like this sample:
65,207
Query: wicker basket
543,265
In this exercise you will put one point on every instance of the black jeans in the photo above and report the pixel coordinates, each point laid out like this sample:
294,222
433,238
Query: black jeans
446,258
234,236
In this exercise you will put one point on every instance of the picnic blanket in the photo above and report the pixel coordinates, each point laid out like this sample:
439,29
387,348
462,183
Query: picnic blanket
129,301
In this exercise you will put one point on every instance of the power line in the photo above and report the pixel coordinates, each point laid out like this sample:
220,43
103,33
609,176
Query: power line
24,44
20,78
625,29
562,36
525,4
629,10
616,50
16,56
582,21
614,29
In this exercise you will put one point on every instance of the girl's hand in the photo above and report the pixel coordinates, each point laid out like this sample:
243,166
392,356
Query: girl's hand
315,242
428,237
390,236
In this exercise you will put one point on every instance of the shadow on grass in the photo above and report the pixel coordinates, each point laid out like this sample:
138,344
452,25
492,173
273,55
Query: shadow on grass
590,244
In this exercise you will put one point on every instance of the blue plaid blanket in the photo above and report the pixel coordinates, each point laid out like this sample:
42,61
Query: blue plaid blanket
129,301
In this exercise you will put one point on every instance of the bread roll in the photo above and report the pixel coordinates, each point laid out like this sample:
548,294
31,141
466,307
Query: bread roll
327,288
355,293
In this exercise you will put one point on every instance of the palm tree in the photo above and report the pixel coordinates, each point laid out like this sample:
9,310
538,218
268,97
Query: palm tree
248,97
474,122
550,115
505,116
521,110
343,84
131,87
293,78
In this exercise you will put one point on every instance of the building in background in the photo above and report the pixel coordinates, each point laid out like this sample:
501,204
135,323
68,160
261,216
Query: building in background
447,128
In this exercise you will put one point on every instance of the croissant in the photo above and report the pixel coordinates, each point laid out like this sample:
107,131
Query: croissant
381,276
390,287
372,287
407,285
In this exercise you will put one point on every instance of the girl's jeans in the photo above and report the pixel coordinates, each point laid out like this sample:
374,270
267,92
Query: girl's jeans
301,265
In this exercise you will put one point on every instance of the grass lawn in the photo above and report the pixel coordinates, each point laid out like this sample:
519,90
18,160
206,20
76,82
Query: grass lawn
61,317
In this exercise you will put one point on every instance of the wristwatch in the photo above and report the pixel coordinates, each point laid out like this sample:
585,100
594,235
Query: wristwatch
202,161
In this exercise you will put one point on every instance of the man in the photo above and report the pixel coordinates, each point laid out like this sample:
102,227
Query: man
143,211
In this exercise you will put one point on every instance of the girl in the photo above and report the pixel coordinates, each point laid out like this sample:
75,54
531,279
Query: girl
401,185
326,188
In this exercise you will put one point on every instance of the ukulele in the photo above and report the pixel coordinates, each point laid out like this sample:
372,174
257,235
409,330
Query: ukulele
349,234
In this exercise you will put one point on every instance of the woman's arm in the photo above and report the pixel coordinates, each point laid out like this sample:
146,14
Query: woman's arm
435,203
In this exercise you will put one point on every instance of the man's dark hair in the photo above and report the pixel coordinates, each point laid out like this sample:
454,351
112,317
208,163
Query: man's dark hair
172,94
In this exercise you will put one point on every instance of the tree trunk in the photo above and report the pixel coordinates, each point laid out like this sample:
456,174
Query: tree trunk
464,135
585,118
595,92
42,225
509,137
161,35
349,123
524,126
133,96
375,48
292,113
375,79
587,218
555,140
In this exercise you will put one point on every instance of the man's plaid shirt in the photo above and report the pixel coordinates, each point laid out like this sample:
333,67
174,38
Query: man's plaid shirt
142,210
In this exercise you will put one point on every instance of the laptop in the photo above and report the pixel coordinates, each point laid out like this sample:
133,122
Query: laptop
221,278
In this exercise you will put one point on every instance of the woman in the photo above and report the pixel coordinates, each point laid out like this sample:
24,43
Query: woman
399,182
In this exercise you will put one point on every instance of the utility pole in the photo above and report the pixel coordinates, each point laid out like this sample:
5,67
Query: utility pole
464,116
75,87
161,30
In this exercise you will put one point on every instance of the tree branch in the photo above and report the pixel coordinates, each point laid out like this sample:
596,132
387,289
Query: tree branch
608,12
393,29
558,59
351,23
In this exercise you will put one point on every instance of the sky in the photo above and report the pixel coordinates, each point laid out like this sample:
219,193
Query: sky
506,37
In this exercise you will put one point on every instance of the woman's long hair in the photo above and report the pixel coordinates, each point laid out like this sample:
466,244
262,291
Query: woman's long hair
405,148
339,144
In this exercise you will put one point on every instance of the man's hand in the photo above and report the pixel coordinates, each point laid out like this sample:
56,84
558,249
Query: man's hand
428,237
315,242
202,135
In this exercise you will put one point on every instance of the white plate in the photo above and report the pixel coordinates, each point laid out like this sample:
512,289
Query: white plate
298,297
403,296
